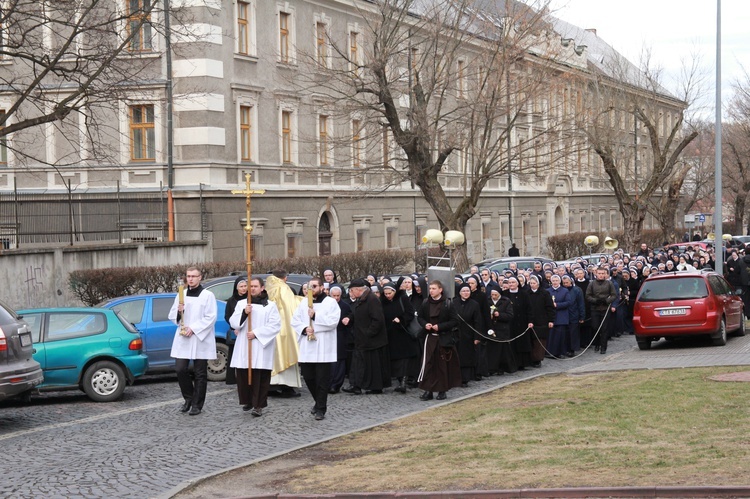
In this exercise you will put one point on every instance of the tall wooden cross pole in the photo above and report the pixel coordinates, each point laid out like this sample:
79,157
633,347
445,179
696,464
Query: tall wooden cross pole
248,192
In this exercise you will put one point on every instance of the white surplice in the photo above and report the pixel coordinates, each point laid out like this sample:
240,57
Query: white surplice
200,316
266,324
327,314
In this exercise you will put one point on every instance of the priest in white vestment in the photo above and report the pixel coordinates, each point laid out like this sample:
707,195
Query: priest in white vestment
261,331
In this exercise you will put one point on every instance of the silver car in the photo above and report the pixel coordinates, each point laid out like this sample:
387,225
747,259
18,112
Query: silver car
19,372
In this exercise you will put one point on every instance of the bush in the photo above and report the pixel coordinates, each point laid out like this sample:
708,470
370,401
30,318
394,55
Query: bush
95,286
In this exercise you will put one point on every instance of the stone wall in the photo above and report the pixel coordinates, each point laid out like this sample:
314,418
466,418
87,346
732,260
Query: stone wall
39,277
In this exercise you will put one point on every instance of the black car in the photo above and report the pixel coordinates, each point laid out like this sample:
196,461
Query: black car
19,372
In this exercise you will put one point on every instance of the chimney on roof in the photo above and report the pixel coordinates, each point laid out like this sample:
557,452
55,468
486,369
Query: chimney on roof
591,30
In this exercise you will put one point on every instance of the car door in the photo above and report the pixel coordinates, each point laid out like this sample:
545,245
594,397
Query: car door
161,332
36,325
732,303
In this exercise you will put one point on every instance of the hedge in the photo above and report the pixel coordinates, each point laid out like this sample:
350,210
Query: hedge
567,246
95,286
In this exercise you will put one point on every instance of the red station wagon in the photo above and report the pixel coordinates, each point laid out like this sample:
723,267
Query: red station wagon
684,304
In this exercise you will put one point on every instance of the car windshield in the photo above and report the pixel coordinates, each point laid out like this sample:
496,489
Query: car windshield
673,289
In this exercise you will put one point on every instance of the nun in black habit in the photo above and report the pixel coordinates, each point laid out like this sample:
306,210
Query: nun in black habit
238,293
469,324
500,356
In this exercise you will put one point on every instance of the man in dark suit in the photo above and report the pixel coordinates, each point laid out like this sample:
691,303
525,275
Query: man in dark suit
513,251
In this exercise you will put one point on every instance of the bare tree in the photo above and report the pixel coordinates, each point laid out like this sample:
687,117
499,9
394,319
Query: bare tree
626,102
441,93
736,161
69,62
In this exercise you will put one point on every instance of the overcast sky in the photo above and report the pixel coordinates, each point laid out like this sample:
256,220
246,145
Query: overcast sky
673,30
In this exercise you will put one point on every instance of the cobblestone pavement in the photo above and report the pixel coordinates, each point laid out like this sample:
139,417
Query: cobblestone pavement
63,445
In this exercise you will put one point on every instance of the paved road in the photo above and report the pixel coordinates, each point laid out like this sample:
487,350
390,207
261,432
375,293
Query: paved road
64,445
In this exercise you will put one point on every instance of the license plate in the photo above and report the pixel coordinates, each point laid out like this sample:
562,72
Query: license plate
673,311
25,340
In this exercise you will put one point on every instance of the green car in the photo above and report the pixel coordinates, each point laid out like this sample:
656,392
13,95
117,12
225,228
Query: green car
90,349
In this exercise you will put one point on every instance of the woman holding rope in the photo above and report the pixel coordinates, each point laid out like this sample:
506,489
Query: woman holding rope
519,324
500,354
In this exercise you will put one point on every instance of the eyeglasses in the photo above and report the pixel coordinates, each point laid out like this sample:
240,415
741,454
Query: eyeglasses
193,276
314,287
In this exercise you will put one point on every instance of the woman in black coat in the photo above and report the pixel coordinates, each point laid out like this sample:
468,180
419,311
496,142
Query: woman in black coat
500,355
398,313
239,293
469,323
480,348
541,319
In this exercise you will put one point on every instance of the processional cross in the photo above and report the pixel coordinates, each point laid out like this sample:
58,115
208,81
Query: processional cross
248,192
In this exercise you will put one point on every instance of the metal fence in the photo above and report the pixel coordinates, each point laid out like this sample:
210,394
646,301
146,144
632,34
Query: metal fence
32,220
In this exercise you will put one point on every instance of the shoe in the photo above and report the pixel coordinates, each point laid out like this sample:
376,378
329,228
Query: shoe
352,389
257,412
596,348
333,391
194,411
536,364
477,378
603,351
186,406
426,396
441,396
464,385
319,416
373,392
247,407
313,411
571,354
412,384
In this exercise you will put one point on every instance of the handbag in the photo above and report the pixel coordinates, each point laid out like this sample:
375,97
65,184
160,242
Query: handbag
448,340
413,328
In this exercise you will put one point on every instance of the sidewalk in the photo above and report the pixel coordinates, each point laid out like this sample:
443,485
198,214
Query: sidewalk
623,355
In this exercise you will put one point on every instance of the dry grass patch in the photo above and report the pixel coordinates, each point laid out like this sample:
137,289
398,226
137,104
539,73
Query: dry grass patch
668,427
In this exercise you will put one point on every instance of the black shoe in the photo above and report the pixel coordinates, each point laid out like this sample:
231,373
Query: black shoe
536,364
400,389
352,389
596,348
247,407
603,351
373,392
257,412
333,391
441,396
571,354
194,411
313,411
477,378
426,396
464,385
319,416
186,406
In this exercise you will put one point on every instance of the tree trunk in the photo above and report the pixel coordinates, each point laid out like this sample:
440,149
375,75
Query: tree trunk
740,201
633,216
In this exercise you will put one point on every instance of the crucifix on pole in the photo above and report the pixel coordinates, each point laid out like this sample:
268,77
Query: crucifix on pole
248,192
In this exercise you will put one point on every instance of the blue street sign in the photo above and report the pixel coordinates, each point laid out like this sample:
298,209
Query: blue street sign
701,217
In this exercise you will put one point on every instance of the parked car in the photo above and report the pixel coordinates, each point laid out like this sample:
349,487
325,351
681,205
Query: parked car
523,262
19,372
222,287
149,314
90,349
687,303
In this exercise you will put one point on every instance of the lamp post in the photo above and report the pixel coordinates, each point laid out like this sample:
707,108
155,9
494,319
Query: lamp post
718,225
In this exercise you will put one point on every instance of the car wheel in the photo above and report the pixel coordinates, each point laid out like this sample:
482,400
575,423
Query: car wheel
720,338
644,344
741,330
217,368
104,381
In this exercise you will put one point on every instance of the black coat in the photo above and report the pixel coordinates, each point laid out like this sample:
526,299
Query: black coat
501,317
401,344
368,323
469,321
446,319
541,312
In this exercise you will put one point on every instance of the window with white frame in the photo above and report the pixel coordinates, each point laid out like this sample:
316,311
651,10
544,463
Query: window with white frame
286,35
391,222
354,50
246,27
461,78
288,135
361,232
357,143
324,140
322,41
139,27
247,133
142,132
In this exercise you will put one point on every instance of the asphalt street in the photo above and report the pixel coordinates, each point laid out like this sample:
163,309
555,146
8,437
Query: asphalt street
63,445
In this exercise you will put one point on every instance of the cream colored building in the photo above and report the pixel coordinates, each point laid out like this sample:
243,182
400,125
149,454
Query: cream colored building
237,109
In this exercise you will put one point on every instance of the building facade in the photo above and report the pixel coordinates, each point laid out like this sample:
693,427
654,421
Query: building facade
226,94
